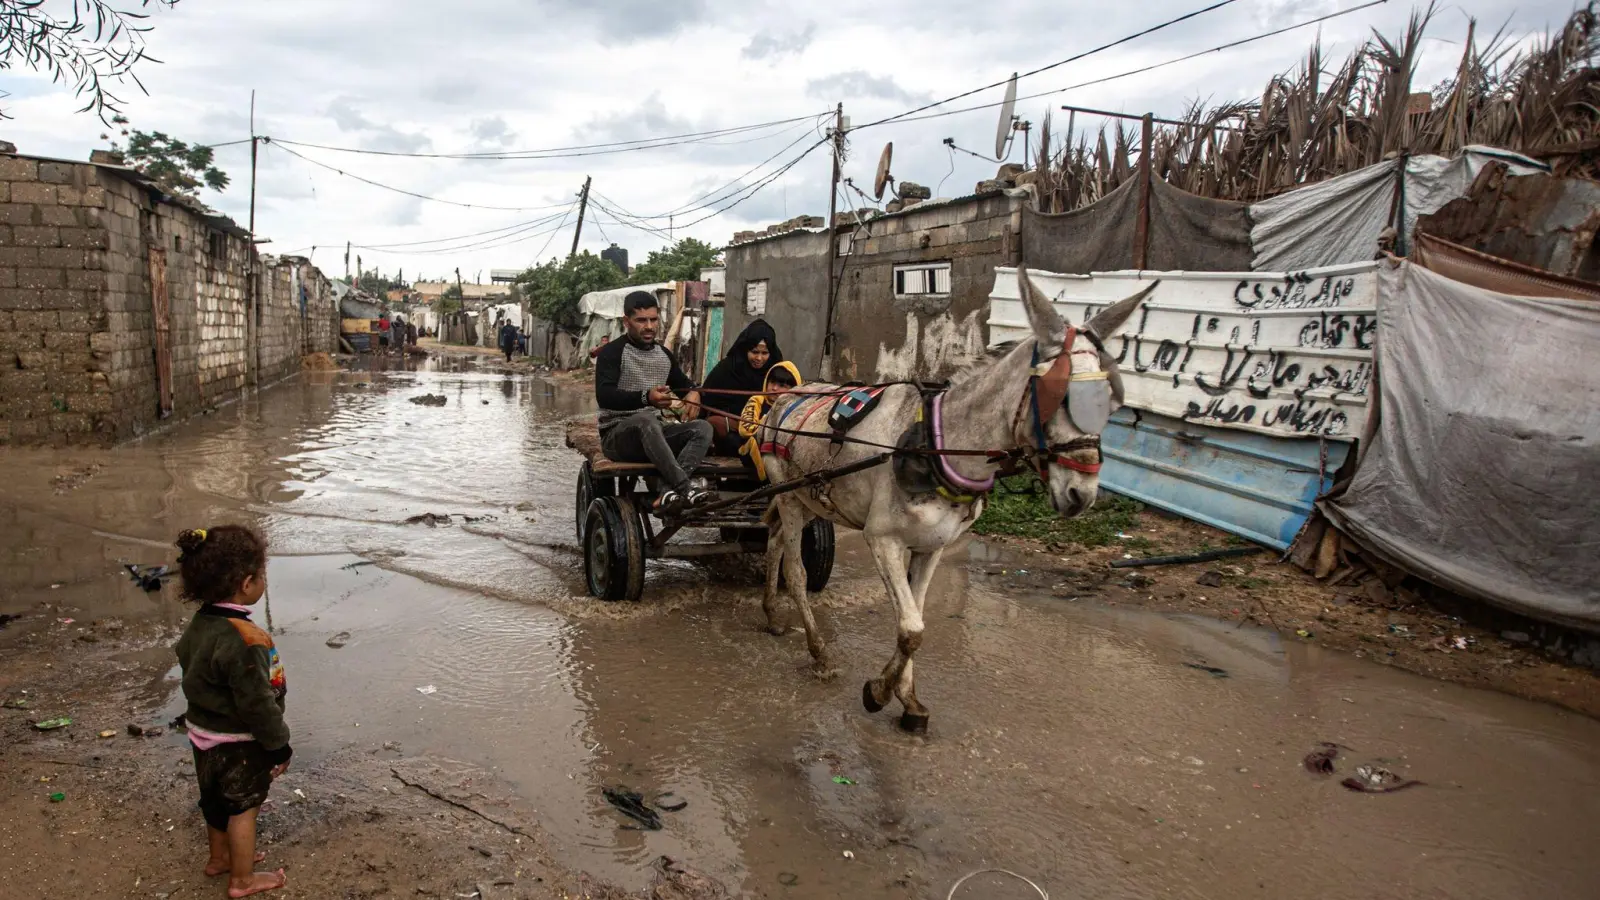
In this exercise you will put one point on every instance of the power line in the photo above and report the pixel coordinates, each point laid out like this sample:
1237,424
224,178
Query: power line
562,224
461,237
1135,36
571,151
691,206
386,187
1143,69
493,243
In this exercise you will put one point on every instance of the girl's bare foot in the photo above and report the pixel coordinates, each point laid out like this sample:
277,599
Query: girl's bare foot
221,866
257,883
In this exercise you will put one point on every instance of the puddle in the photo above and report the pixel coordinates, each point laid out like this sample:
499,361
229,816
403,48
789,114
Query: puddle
1078,745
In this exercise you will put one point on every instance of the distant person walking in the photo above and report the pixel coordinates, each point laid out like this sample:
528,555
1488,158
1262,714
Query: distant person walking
508,339
411,333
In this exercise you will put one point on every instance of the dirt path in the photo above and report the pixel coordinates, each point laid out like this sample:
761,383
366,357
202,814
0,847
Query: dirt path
1088,730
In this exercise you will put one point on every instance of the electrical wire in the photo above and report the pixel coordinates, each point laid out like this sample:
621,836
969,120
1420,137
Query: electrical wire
691,206
562,224
1150,68
396,190
494,243
1074,58
570,151
500,232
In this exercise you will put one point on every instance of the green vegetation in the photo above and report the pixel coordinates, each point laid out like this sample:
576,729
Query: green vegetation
179,167
555,287
1019,507
680,262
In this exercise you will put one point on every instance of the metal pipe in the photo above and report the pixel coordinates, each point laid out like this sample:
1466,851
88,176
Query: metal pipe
1205,556
692,551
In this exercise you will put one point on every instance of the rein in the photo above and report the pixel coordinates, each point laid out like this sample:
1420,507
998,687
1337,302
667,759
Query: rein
1047,390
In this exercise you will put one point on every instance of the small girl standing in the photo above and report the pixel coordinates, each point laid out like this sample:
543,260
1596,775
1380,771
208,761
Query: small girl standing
235,688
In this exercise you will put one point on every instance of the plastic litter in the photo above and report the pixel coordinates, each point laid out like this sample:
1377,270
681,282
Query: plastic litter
57,797
840,779
52,724
427,689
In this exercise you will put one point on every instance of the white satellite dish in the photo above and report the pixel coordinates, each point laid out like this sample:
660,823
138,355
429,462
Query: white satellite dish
1002,136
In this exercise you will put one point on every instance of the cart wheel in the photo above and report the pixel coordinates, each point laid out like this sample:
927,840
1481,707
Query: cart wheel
613,549
589,488
816,551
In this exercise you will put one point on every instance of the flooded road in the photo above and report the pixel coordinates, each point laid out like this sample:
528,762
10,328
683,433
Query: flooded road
1076,744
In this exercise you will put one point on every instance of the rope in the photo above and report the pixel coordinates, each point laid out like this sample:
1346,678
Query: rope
963,880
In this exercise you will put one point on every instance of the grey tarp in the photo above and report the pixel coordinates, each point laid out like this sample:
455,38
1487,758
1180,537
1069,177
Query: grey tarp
1187,232
1481,473
1339,220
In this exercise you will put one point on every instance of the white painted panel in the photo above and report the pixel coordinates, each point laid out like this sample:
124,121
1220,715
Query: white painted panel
1288,354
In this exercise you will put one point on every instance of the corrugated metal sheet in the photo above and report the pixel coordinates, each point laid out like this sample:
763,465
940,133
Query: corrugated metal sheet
1283,353
1253,485
1244,388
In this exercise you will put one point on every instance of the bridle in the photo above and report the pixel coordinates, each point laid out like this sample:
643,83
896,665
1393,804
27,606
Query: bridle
1047,389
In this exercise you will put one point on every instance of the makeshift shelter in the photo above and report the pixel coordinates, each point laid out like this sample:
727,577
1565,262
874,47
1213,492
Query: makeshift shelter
1478,473
601,312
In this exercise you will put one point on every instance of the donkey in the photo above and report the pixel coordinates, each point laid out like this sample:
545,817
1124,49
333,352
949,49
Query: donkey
1017,400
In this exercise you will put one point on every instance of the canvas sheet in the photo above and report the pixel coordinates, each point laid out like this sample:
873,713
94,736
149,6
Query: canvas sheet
1480,475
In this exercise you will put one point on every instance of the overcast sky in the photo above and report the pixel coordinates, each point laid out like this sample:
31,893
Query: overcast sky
476,76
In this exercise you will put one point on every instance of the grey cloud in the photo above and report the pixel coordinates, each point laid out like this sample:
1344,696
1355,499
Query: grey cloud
767,44
376,137
858,85
621,21
649,119
492,132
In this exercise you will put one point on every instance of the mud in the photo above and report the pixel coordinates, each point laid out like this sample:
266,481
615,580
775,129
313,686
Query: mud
1101,742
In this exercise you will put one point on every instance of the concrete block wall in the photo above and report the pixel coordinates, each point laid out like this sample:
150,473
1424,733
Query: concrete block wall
77,322
882,337
52,278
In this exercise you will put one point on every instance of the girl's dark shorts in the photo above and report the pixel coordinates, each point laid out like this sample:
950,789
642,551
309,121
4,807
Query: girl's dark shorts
234,779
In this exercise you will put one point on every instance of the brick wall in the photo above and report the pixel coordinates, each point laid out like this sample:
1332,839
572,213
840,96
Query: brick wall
77,319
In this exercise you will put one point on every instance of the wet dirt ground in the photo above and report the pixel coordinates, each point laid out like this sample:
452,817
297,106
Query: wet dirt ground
1099,747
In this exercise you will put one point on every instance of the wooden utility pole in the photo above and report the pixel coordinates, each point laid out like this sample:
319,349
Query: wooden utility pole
254,145
583,206
1141,227
833,242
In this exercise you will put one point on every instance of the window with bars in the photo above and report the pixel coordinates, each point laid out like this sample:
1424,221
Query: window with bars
755,297
922,279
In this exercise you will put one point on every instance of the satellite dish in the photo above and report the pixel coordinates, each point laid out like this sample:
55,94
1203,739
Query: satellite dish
1002,136
883,179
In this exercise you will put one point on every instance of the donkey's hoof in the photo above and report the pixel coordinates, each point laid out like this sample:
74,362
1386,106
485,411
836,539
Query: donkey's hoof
824,672
869,701
914,723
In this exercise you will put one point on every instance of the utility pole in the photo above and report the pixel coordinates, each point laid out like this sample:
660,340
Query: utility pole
347,264
671,222
253,362
833,242
583,205
254,145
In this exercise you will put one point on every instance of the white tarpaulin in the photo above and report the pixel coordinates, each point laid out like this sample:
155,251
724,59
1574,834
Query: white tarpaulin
1286,354
1340,220
1481,473
602,311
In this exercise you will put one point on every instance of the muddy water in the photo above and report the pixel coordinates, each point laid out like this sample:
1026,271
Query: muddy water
1071,743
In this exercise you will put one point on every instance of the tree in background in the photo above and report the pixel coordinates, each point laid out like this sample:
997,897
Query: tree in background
96,46
449,301
553,288
680,262
180,168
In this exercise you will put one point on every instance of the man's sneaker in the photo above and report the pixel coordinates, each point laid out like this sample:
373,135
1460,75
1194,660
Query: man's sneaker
668,503
701,497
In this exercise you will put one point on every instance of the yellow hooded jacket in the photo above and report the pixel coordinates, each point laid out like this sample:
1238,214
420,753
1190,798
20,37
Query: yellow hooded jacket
755,410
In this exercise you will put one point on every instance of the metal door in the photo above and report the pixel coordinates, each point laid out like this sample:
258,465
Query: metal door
163,327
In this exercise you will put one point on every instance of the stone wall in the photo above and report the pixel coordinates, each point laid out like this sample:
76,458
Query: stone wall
77,316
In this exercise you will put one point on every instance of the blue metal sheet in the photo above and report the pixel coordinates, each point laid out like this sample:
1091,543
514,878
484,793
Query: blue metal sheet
1256,486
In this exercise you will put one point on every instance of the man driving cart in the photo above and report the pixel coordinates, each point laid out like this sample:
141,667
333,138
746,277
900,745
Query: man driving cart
649,410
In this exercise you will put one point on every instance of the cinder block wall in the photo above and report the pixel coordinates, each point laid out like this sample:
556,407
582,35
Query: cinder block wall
77,320
52,284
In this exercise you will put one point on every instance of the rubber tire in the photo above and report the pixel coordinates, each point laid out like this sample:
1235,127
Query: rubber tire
613,550
589,488
816,551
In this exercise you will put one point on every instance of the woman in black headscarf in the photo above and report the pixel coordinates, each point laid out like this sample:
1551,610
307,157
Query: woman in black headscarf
743,369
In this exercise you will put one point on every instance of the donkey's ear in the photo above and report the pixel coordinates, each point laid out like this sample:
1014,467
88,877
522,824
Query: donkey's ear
1111,318
1048,328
